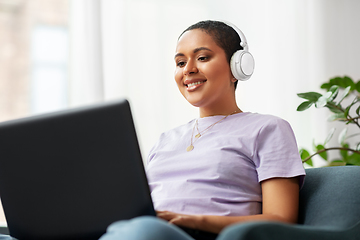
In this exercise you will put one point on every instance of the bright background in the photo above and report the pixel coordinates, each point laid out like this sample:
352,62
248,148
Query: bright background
79,52
126,49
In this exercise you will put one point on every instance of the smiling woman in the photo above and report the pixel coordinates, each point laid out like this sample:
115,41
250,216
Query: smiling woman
292,41
223,168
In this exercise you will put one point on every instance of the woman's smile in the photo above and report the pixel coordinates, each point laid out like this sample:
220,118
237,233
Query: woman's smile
193,85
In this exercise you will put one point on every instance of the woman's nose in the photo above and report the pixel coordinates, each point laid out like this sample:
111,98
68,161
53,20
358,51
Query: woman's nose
190,68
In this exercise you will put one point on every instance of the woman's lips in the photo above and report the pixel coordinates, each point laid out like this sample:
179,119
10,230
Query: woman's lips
194,85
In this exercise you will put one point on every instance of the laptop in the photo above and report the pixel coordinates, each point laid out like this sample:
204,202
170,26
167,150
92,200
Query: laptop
70,174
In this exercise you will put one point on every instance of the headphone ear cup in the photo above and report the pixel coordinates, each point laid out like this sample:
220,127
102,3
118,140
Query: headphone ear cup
242,65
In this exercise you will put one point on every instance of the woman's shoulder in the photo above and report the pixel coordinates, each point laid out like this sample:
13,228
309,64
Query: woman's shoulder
258,119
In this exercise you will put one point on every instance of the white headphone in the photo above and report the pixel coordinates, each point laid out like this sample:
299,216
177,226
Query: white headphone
242,62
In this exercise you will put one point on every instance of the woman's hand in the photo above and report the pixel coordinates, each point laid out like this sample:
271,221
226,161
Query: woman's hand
190,221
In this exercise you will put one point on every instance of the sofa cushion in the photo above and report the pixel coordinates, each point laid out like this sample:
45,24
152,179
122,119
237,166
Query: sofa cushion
330,197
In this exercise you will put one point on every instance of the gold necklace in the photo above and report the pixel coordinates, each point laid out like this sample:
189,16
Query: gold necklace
199,134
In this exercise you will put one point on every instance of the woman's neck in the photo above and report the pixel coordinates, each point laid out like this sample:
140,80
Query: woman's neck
205,112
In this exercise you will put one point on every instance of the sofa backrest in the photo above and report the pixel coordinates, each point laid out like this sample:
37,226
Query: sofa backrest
330,197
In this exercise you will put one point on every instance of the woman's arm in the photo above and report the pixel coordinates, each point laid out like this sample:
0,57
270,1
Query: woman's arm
280,203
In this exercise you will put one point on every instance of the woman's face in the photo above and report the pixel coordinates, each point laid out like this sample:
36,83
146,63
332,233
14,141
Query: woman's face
202,72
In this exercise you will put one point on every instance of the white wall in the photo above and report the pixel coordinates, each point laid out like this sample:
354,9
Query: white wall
297,45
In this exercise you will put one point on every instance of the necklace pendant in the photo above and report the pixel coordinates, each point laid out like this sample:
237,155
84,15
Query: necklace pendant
190,148
198,135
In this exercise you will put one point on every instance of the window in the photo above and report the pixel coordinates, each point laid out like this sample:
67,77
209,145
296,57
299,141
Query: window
49,51
33,58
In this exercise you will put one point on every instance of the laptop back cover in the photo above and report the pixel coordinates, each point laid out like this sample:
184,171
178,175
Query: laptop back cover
69,174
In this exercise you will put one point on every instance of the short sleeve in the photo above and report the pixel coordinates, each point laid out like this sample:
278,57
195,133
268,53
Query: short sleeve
277,153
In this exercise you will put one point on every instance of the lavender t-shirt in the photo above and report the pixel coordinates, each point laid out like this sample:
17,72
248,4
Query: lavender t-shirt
222,174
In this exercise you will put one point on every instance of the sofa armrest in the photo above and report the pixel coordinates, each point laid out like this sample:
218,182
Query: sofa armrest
280,231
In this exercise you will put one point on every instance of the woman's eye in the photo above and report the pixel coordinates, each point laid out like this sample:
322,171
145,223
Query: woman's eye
180,64
203,58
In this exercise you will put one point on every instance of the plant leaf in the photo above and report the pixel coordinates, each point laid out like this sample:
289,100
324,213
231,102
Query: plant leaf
344,94
346,113
342,136
357,86
358,110
304,154
322,101
337,163
329,136
322,154
326,86
334,108
310,163
348,82
354,159
336,81
312,96
358,147
334,92
336,117
305,105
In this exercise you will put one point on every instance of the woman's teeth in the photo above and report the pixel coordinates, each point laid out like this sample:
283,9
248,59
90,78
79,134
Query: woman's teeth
194,83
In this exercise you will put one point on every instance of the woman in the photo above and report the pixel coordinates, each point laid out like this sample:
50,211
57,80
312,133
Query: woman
224,168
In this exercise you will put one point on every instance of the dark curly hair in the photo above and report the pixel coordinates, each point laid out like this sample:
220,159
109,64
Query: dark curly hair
222,34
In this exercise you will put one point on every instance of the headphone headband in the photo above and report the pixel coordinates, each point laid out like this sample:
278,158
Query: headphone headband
243,41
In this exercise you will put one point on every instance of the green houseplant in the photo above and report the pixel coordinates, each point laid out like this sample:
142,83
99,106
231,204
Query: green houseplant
337,90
